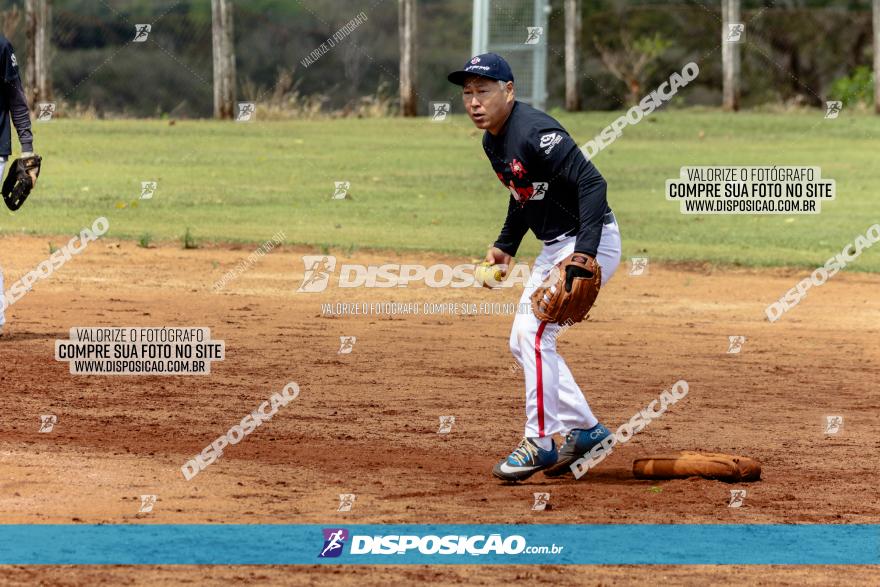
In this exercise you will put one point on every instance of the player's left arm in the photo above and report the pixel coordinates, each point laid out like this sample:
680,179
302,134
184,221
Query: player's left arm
563,160
18,106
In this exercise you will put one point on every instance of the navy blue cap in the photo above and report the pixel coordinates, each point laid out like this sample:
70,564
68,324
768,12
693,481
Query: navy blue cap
487,65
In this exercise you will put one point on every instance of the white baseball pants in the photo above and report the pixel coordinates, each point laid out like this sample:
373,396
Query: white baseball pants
2,305
2,289
554,402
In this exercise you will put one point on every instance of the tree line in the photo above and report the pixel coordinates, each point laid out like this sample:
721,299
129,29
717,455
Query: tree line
201,57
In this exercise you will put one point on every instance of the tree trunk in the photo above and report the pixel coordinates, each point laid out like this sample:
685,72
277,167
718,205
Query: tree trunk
407,33
572,54
224,59
635,91
37,17
877,56
730,55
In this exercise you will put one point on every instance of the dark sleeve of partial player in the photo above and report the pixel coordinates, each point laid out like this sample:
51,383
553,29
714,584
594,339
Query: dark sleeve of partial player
514,229
21,115
567,160
15,97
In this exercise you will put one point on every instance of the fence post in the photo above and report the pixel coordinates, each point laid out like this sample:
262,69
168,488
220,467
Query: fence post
572,55
407,33
730,55
37,19
224,59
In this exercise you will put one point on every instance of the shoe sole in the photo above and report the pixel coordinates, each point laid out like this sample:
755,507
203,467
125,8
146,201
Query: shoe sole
562,467
513,477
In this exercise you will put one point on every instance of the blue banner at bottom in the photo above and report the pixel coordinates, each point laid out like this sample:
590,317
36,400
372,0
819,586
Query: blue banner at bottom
282,544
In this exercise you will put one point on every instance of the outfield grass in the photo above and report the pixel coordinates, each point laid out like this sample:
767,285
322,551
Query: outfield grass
422,185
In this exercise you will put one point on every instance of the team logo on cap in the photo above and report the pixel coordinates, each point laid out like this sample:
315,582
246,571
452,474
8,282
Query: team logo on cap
475,60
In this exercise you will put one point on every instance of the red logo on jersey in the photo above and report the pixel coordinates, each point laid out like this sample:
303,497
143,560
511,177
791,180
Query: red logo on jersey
517,169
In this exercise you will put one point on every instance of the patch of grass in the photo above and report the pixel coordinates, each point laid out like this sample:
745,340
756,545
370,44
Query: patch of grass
428,186
52,247
188,240
145,240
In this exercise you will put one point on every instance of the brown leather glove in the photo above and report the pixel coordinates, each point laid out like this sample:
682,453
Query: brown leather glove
20,181
568,294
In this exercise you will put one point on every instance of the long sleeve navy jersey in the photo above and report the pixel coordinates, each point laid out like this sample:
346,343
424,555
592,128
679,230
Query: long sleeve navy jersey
13,101
554,190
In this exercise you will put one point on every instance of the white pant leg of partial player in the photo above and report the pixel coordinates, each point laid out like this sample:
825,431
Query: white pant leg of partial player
533,344
574,410
2,289
2,302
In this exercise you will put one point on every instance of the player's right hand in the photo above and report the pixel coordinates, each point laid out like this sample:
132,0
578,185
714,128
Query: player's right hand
496,256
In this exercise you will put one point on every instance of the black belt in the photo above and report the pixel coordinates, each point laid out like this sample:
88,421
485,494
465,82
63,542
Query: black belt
607,219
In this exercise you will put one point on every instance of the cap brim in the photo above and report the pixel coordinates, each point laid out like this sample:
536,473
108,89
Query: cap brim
458,77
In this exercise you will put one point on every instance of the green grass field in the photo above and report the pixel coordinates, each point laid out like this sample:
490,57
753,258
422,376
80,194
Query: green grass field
422,185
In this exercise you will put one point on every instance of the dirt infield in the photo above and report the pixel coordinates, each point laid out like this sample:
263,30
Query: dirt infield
366,422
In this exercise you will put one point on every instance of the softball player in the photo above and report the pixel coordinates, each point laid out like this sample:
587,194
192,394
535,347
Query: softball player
13,104
561,197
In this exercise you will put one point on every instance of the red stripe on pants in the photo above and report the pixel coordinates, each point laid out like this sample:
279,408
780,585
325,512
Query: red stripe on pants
540,382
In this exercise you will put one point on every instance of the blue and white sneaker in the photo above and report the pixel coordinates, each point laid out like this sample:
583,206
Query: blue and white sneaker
525,461
578,442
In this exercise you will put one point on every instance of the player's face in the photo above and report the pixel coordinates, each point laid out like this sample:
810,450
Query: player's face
487,102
